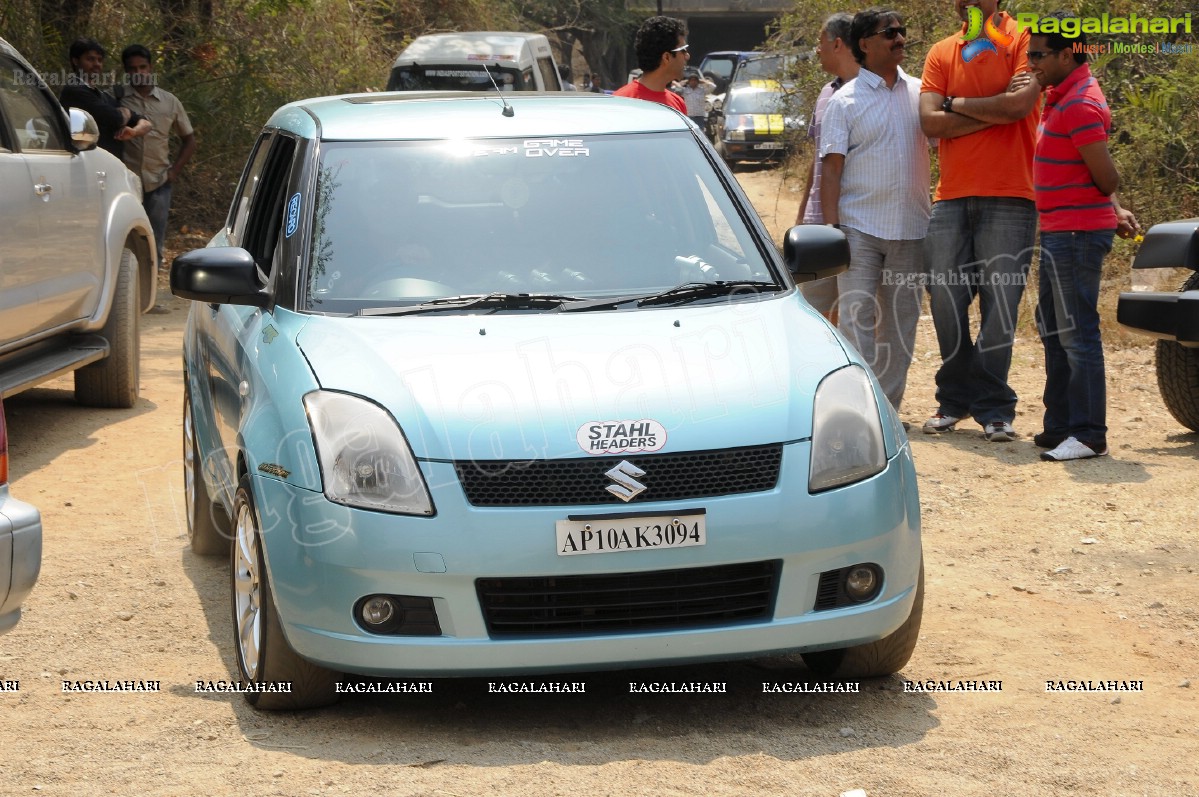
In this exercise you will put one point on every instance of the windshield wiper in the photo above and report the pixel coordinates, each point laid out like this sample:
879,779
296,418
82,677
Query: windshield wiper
691,291
480,301
600,304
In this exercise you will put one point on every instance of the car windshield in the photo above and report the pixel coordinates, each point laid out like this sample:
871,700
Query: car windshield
720,66
769,67
403,223
755,101
455,77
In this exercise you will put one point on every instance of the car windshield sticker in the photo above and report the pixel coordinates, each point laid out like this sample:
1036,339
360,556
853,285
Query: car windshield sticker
537,148
619,437
293,214
556,147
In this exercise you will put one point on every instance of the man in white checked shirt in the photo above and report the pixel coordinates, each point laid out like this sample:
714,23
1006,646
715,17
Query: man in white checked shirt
875,188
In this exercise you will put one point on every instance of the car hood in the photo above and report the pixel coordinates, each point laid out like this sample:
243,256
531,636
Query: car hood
525,386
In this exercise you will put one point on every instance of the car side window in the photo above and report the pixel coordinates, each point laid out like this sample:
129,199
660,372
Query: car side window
266,209
239,211
549,75
32,120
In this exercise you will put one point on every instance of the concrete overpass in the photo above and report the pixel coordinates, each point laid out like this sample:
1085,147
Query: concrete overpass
719,24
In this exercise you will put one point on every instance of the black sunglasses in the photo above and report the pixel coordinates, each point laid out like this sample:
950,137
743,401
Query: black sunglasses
890,33
1037,55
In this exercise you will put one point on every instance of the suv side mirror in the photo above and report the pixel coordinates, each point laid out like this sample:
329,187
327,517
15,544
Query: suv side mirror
85,134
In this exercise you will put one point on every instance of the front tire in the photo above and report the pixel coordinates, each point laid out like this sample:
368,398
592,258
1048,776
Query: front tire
1178,374
263,654
874,659
206,533
113,381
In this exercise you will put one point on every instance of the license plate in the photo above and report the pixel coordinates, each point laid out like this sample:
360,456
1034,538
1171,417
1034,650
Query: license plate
769,145
582,534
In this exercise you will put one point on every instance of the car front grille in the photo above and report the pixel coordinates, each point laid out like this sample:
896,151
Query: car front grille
573,482
664,600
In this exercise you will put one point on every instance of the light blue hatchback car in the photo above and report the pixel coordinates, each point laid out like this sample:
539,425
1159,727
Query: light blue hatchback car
496,384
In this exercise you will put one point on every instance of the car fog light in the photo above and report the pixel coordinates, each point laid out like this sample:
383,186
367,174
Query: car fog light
378,610
862,582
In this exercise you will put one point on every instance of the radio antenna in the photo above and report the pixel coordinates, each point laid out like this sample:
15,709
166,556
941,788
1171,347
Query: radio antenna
507,108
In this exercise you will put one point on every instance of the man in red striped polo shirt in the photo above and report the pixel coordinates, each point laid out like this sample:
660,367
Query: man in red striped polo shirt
1075,181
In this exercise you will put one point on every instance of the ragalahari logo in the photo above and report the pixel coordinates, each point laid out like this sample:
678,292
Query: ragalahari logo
976,26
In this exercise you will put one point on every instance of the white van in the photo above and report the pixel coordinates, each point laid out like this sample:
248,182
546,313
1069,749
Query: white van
470,61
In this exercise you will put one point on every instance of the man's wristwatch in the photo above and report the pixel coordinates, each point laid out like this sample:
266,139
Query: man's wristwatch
947,106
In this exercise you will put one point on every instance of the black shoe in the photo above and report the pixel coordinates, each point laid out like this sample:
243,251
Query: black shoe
1048,439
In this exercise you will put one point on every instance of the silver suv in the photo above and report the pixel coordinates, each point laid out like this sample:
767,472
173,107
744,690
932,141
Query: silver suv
77,262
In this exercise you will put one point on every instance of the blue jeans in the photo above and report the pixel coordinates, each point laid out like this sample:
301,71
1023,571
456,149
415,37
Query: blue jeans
1068,320
158,205
978,246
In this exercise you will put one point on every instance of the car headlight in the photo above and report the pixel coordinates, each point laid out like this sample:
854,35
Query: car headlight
737,135
847,431
364,459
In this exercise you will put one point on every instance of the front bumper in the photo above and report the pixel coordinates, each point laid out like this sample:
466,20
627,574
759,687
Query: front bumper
754,150
20,557
322,558
1166,316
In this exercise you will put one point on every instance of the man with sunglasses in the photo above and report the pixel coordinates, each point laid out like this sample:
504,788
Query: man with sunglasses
979,100
1075,181
661,49
875,188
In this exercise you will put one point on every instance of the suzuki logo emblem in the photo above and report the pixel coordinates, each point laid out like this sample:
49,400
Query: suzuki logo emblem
626,475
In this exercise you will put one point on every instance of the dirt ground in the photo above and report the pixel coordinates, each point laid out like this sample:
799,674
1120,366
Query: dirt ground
1036,572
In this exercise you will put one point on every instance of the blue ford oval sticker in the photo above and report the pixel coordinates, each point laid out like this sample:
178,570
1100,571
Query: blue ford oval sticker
293,214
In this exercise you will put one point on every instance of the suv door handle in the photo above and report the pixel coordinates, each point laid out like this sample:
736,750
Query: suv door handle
42,189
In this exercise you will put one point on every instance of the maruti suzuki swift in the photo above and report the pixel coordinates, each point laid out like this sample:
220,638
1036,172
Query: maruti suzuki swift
510,384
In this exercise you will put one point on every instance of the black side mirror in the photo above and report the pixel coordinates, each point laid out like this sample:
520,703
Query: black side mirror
815,251
219,275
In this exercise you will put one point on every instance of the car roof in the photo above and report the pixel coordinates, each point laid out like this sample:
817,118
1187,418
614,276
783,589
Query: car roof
12,53
471,45
421,115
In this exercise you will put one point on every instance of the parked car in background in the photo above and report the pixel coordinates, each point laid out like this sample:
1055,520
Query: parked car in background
1172,318
472,60
719,66
452,439
20,543
756,122
77,256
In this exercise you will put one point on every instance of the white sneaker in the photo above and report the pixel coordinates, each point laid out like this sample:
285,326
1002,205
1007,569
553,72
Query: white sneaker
1071,448
940,423
999,432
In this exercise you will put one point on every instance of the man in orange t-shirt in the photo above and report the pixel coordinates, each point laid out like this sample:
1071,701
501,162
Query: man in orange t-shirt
980,100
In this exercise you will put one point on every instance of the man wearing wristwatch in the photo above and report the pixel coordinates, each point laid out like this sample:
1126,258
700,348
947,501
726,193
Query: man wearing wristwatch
979,99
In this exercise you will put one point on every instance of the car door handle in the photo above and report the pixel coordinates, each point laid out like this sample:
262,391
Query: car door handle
42,189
